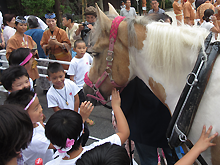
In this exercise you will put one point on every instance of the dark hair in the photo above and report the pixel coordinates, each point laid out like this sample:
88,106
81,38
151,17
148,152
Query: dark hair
12,73
21,18
16,131
7,18
54,68
207,14
18,55
153,0
105,154
160,17
20,97
64,124
33,22
68,16
78,41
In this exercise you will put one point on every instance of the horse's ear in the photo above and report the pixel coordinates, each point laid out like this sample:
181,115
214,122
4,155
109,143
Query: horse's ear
104,21
112,10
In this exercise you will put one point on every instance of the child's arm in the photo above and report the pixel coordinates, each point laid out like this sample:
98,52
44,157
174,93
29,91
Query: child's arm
55,109
76,103
72,78
201,145
85,110
123,129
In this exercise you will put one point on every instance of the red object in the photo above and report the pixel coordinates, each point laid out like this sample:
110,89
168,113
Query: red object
39,161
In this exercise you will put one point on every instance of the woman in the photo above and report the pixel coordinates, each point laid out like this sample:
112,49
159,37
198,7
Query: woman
55,41
36,33
21,40
210,23
9,23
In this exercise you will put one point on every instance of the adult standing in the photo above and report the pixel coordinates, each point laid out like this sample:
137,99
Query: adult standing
128,11
201,9
71,28
21,40
55,42
144,7
9,23
189,12
148,120
36,33
155,8
86,29
177,8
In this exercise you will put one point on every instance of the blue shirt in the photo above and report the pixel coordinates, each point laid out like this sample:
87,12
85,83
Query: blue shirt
160,11
36,35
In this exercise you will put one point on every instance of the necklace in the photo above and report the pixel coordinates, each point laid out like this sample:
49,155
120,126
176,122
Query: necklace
65,99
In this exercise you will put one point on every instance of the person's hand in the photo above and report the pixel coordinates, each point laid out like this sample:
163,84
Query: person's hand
52,42
90,26
86,109
116,100
204,141
213,18
81,27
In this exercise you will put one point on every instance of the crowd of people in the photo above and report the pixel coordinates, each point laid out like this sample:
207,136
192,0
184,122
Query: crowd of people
24,136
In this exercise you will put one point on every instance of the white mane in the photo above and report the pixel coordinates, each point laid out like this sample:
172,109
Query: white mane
171,48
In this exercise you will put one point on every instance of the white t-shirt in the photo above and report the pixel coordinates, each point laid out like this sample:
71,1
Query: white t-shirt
38,148
8,32
114,139
78,67
68,92
208,26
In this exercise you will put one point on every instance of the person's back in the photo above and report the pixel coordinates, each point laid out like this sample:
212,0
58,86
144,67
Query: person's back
188,13
201,9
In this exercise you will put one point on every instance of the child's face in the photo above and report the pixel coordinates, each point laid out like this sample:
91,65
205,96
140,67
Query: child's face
35,111
57,79
80,49
28,65
20,83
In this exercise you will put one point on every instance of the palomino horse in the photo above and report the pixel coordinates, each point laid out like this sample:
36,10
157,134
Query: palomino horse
161,55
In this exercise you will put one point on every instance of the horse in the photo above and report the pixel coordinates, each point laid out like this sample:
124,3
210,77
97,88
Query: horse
162,55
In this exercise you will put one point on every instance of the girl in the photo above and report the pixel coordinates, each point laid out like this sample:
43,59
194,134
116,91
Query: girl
40,146
210,23
64,129
15,133
23,57
20,40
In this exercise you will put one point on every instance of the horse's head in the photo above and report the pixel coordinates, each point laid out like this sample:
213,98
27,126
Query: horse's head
120,72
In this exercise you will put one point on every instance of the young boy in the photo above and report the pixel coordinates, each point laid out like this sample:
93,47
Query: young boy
40,146
79,65
16,78
63,93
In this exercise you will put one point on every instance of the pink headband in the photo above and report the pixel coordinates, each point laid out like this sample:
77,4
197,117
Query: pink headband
26,59
32,100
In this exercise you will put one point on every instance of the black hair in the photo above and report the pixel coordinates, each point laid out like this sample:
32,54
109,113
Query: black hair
12,73
153,0
78,41
20,97
16,131
105,154
54,68
160,17
33,22
68,16
64,124
207,14
21,18
18,55
7,18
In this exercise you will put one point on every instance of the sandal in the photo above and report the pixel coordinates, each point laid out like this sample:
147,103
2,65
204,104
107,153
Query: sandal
90,122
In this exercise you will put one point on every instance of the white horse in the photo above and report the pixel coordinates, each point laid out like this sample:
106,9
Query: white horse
161,55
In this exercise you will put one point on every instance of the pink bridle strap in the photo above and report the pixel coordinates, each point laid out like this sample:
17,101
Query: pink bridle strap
109,59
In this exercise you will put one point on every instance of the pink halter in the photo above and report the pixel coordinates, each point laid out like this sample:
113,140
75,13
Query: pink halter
109,60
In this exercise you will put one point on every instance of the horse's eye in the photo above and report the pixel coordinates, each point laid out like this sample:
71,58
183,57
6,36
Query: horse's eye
95,54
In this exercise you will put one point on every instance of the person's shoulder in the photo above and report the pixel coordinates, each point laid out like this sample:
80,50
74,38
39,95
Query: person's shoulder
161,10
150,11
50,90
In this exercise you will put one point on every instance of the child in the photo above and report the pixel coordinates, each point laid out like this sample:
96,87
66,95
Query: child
79,65
16,131
63,93
64,129
23,57
40,146
16,78
108,154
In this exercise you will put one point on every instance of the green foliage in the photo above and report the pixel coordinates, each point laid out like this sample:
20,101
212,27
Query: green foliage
38,7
